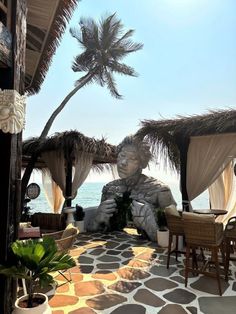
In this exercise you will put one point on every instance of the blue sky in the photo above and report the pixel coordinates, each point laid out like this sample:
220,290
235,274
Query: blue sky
187,66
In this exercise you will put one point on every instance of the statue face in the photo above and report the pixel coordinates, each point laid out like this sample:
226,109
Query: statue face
128,162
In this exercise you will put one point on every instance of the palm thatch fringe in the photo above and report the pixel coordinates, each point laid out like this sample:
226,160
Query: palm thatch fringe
71,143
62,16
166,136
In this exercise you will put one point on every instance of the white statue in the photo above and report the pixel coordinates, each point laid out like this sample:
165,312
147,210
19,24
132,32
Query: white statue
147,193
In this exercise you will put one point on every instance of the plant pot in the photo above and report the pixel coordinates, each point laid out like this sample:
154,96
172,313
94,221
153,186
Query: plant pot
163,238
43,308
80,225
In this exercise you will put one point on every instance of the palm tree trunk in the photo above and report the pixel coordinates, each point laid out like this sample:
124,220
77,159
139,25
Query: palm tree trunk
30,166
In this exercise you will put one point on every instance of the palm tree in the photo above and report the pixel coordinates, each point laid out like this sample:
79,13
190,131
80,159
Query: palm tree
105,44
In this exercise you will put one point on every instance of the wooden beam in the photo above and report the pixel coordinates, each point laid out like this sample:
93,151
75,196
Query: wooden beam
10,157
183,145
3,7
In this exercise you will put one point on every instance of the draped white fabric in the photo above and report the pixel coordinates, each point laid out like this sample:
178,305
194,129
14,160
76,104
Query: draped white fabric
82,167
53,192
56,164
207,158
221,189
223,193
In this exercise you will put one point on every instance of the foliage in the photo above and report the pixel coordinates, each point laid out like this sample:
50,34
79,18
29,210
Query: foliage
119,219
161,219
105,44
79,213
34,261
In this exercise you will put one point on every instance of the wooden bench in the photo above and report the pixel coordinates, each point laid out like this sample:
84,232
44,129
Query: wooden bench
48,222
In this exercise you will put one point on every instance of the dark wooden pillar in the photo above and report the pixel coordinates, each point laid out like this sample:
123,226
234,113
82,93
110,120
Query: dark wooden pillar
10,153
68,200
183,145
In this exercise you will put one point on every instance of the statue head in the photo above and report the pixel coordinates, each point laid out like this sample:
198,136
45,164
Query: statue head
133,156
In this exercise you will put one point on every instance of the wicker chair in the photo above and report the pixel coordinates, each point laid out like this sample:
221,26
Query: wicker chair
202,231
64,240
175,226
230,242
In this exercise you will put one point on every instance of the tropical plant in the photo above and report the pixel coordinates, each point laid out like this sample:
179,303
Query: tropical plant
119,219
161,219
79,213
34,261
105,44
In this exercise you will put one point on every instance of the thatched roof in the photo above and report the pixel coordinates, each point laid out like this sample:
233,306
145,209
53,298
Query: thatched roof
71,143
46,22
166,136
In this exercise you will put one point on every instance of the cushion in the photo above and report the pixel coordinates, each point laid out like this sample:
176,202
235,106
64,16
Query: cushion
69,231
199,217
172,210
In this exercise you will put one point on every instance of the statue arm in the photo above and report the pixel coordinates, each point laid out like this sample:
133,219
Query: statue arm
144,218
103,213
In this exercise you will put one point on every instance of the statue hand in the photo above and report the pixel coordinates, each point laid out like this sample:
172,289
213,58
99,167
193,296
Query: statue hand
106,210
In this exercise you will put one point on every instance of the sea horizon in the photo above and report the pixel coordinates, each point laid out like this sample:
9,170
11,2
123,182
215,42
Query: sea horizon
89,195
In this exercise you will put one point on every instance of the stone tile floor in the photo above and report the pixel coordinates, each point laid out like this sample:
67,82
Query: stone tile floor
119,273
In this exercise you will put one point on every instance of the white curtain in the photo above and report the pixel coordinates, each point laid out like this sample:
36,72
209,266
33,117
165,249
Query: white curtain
82,167
55,162
53,192
207,158
223,193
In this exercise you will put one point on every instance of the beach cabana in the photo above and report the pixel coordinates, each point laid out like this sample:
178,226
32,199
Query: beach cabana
201,148
68,156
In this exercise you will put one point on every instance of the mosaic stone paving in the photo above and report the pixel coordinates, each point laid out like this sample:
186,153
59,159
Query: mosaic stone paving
120,273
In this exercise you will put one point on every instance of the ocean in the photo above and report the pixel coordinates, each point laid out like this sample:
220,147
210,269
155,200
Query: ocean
89,194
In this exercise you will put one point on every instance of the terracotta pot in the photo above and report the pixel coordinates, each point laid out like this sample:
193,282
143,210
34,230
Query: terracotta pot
43,308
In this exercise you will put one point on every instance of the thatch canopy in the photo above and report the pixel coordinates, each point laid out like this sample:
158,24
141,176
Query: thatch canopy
46,22
167,135
71,143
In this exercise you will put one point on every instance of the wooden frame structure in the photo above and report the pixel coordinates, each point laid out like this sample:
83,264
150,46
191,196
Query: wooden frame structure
70,144
170,138
30,32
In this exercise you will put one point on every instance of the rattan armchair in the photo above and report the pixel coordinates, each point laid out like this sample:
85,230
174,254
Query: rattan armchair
230,242
175,226
64,240
201,231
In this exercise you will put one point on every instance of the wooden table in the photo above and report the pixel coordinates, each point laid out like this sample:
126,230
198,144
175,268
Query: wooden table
215,212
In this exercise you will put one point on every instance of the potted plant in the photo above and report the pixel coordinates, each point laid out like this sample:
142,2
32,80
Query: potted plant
34,260
79,218
123,216
162,232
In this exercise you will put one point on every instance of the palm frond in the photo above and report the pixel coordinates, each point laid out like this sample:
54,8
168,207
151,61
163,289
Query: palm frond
83,61
128,34
76,33
110,28
131,46
122,69
111,85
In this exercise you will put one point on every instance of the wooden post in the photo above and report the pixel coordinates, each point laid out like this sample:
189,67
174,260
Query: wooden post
10,154
68,183
183,150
